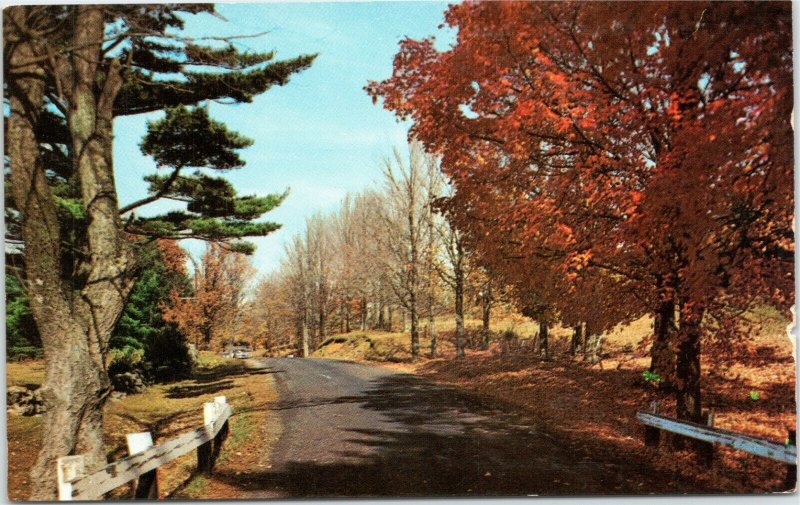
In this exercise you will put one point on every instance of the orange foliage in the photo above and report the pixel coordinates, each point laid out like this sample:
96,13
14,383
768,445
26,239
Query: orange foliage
212,317
656,132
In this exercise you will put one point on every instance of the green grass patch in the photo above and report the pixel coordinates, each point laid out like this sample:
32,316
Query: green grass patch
241,427
194,489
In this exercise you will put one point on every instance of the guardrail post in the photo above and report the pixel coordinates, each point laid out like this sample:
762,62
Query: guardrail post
791,470
205,462
220,402
68,468
706,449
652,435
208,452
146,486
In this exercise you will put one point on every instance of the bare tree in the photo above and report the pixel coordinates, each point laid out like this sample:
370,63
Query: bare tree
296,265
405,212
453,271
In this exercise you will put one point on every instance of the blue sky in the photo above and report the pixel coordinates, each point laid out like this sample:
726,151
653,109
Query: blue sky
320,135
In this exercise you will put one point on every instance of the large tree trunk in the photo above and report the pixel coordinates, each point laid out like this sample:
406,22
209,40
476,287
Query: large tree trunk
687,370
662,356
75,320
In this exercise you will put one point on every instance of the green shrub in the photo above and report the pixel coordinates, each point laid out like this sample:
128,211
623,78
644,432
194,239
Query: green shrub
509,335
167,355
652,377
127,359
19,353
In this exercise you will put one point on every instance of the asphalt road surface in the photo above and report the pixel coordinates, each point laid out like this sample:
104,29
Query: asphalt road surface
357,430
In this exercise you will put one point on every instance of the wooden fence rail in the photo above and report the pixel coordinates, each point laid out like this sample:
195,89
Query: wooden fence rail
145,458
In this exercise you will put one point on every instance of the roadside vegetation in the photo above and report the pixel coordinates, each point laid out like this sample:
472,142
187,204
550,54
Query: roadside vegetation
165,410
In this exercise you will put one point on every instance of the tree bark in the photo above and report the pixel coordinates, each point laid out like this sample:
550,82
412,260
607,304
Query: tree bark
432,333
576,339
662,356
76,319
486,306
363,314
305,334
543,344
687,370
414,330
594,345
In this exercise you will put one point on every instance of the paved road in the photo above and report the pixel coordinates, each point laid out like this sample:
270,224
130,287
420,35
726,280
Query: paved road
358,430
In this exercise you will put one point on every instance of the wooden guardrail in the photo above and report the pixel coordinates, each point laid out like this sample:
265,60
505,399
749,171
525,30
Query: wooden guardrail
144,459
784,453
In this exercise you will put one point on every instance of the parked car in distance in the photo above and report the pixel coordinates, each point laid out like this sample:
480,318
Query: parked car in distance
240,352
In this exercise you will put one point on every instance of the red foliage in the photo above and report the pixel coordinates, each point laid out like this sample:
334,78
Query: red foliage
609,156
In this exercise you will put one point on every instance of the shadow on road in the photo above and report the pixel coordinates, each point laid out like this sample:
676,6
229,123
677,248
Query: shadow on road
443,442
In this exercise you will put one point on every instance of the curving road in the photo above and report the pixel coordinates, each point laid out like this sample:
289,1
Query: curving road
357,430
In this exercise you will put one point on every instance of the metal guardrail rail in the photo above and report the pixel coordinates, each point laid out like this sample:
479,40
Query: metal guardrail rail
753,445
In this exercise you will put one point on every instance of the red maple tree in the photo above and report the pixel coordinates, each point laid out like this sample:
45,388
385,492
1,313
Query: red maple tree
613,159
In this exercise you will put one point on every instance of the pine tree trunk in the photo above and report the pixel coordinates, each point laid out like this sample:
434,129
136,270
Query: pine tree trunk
390,322
75,321
543,344
74,392
381,319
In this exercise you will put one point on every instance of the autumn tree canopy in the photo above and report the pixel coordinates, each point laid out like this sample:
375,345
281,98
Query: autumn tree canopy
613,159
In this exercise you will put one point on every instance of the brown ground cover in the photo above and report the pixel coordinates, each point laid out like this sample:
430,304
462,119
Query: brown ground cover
595,406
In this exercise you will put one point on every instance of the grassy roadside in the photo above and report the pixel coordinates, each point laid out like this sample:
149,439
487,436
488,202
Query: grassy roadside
165,410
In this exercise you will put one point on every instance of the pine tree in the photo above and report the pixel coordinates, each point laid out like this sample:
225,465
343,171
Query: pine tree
69,71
